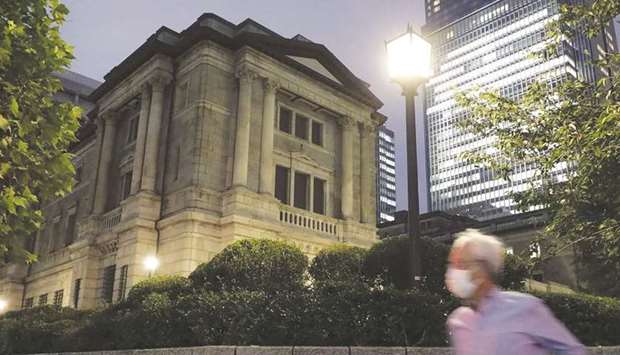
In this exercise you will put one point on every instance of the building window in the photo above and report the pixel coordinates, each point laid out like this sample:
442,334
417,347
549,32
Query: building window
123,283
317,133
70,235
28,302
108,283
302,188
282,184
132,133
77,284
301,126
58,295
286,120
319,196
43,299
125,185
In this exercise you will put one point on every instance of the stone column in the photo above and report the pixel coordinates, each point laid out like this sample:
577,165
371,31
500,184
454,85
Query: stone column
266,150
367,145
151,150
347,167
107,125
242,137
138,158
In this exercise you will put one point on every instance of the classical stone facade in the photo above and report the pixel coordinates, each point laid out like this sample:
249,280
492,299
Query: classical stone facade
215,134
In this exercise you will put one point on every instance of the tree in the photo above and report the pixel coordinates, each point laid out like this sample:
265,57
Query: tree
35,131
576,124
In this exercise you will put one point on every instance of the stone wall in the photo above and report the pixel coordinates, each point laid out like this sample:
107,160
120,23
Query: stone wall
303,350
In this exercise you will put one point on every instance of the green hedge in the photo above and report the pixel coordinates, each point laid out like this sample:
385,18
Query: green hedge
338,263
40,329
595,320
253,265
236,300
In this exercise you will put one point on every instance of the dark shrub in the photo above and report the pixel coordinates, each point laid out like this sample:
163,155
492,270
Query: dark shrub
355,315
149,318
514,274
172,286
40,329
338,263
594,320
388,262
246,317
253,265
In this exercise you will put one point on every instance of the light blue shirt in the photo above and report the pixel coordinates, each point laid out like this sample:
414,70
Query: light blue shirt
510,323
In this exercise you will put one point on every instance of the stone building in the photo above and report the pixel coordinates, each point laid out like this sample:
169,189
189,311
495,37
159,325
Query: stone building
218,133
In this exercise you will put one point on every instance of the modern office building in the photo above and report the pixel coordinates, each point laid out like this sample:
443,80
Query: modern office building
488,44
386,175
200,138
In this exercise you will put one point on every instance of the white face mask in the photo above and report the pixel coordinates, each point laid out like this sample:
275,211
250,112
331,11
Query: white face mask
459,282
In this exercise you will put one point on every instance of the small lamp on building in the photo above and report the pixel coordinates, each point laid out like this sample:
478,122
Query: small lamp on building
409,64
3,305
151,263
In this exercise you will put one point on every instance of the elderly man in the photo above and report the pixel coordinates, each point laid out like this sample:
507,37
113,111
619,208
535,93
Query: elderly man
494,321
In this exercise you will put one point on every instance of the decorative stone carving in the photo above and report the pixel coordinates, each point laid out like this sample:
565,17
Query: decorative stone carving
271,85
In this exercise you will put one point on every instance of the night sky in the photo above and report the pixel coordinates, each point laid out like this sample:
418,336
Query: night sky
106,32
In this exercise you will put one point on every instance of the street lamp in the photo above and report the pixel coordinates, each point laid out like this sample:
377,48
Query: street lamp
151,263
3,305
409,64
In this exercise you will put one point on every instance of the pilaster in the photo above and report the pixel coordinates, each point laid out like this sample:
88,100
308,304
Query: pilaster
106,124
267,183
242,135
347,125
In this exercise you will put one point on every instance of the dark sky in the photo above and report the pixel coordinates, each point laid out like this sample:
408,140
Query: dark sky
105,32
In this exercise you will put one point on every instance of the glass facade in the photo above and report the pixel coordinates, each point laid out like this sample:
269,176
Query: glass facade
488,48
386,175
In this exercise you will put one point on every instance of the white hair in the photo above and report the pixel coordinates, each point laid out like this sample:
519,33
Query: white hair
482,247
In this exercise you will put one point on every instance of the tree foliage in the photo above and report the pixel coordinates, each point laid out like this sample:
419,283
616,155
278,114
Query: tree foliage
35,131
575,124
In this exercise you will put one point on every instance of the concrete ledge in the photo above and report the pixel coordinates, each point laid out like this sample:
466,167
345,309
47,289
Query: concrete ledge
304,350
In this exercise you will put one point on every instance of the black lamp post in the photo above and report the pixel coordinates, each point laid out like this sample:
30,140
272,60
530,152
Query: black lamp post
409,59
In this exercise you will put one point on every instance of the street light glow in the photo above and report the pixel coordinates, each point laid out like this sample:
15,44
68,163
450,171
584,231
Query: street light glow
3,305
409,58
151,263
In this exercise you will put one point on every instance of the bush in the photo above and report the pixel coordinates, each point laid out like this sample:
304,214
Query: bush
594,320
246,317
514,274
388,262
40,329
149,318
343,316
338,263
172,286
253,265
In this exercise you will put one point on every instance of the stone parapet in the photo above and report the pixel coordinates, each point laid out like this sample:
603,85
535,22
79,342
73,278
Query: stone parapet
306,350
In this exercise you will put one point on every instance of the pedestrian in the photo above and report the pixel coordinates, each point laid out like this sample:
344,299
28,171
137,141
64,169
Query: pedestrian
495,321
